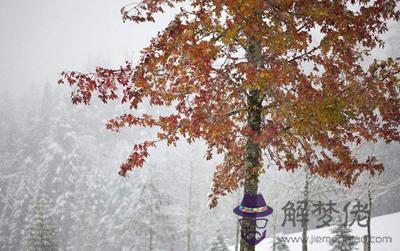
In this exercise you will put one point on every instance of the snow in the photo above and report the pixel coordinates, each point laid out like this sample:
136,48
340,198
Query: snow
382,226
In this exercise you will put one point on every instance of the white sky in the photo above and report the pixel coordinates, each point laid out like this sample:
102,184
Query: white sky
41,38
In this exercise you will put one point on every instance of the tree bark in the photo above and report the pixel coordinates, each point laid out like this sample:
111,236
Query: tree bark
304,223
189,216
274,234
369,220
237,226
253,150
151,213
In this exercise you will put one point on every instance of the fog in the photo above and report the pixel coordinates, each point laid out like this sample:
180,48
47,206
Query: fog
40,39
62,153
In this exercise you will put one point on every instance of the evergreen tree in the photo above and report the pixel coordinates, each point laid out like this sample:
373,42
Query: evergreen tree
151,214
219,244
343,240
42,231
15,191
63,166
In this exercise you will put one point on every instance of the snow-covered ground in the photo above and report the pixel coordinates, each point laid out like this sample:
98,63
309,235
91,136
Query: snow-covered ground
385,229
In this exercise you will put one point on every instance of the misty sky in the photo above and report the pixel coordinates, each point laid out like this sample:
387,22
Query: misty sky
41,38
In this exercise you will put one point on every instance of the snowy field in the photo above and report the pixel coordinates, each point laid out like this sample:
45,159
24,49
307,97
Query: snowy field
382,226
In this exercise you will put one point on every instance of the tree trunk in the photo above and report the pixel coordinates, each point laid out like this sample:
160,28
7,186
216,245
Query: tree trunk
274,233
151,232
304,223
237,226
369,220
253,150
189,216
151,213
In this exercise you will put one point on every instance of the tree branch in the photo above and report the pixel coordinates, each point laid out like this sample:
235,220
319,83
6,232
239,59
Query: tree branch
304,54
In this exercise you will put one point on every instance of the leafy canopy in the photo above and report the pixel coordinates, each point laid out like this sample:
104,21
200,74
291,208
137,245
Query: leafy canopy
316,98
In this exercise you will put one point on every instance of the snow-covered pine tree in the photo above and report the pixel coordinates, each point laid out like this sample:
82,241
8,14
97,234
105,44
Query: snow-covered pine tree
66,154
219,244
62,170
6,171
42,234
342,240
15,175
152,216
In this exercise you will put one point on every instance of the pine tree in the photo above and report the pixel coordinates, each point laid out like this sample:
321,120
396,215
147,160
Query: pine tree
219,244
151,215
15,179
63,164
343,240
42,231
